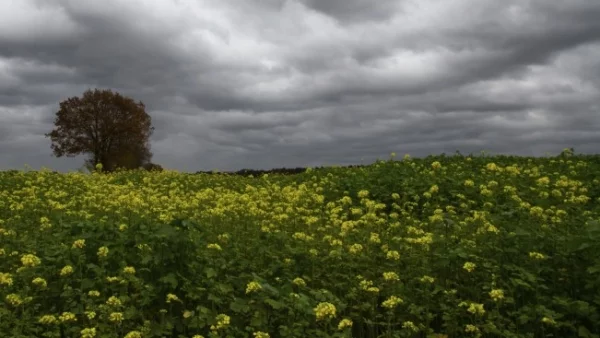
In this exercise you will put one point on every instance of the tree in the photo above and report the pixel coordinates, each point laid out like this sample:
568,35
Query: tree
113,129
153,167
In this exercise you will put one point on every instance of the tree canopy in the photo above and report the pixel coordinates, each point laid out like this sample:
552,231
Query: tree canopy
112,129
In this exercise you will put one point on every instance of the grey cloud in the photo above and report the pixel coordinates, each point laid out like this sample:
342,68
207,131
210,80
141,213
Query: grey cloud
273,83
353,11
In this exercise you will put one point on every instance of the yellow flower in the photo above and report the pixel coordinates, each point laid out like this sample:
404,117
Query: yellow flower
103,251
116,317
47,319
299,281
39,282
471,328
90,314
78,244
67,270
410,326
172,298
543,181
6,279
88,333
136,334
94,293
486,192
45,223
114,301
302,236
492,228
223,321
67,317
476,308
14,299
223,237
325,310
491,167
355,248
436,165
536,255
261,334
252,287
469,266
374,238
214,246
536,211
30,260
366,284
497,294
392,302
129,270
393,255
363,194
427,279
390,276
344,323
549,321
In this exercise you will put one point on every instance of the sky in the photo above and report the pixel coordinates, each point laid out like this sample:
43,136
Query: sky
261,84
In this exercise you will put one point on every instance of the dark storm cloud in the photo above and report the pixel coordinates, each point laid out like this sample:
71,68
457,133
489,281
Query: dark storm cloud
353,11
272,83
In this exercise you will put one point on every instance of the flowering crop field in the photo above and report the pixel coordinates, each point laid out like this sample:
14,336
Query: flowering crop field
445,246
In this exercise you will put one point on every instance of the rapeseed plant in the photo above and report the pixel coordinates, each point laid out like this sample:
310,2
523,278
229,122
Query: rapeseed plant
325,310
66,270
345,323
415,217
253,287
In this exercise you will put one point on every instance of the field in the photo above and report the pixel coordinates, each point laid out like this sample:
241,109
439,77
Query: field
445,246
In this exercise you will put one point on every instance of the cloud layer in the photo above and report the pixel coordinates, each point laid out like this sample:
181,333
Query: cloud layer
274,83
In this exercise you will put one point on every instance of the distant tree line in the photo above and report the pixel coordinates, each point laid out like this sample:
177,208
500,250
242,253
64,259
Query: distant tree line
280,171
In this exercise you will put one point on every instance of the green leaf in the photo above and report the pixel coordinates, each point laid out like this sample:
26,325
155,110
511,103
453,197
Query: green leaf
87,284
170,279
583,332
224,289
593,270
274,304
210,272
214,298
239,306
258,321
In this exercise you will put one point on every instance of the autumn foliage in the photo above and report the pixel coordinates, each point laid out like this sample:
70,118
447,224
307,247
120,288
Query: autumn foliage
111,128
